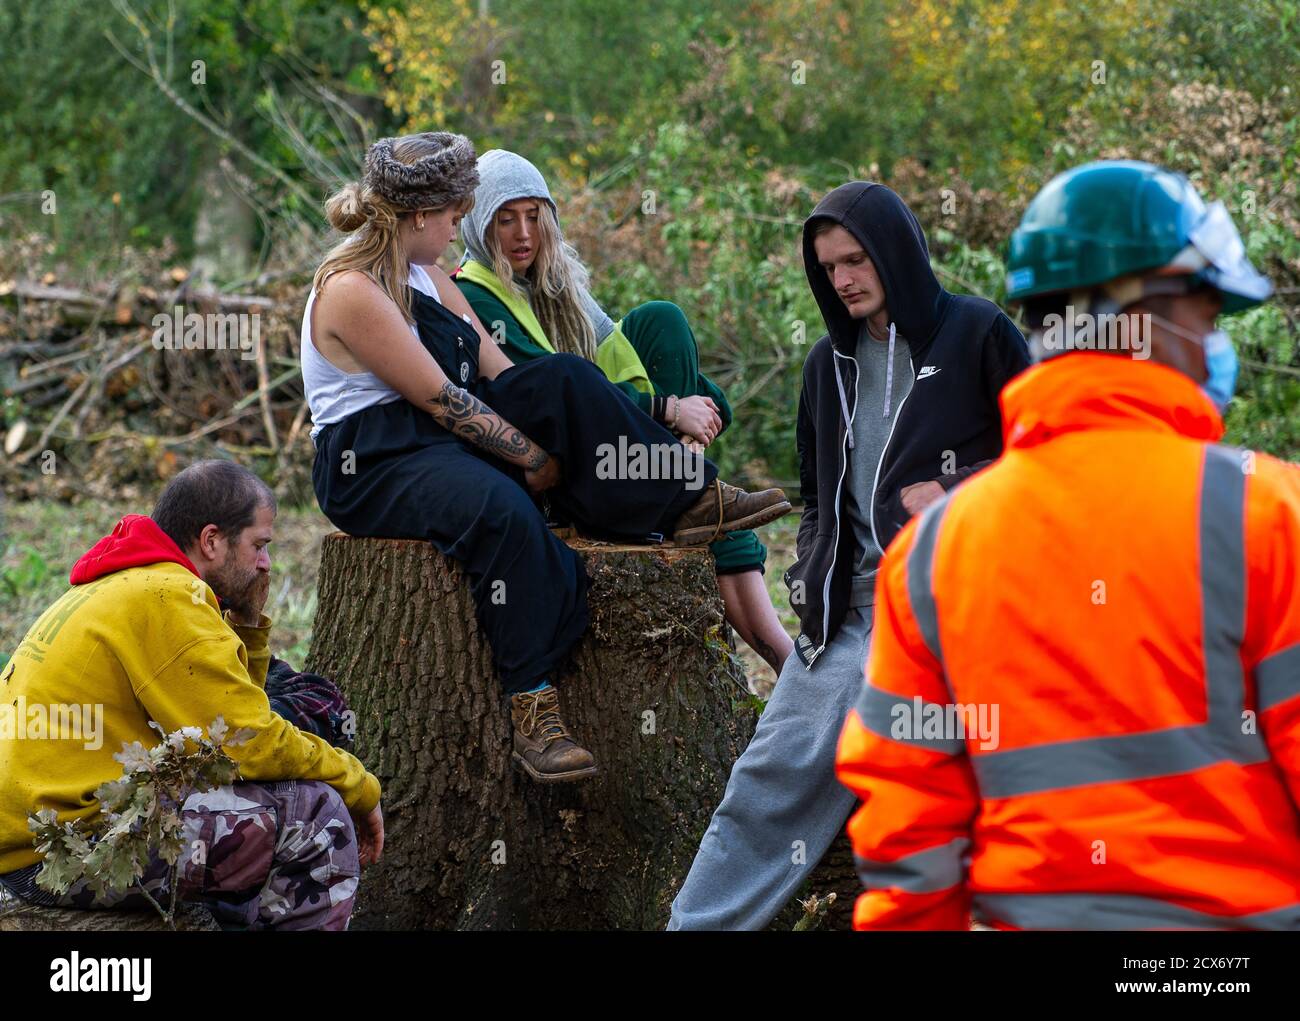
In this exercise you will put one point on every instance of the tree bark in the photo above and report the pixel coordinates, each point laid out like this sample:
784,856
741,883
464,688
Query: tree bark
653,690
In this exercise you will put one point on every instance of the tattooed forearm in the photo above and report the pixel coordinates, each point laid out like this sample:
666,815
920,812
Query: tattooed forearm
765,651
472,420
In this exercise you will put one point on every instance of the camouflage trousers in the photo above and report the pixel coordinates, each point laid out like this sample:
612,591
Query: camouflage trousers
277,855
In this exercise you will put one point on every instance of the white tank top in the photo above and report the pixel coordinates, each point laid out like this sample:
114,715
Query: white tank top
333,394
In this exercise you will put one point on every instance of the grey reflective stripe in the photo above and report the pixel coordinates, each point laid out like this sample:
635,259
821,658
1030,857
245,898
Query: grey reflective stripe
920,576
1174,750
1064,764
1116,911
894,718
935,868
1277,678
1223,601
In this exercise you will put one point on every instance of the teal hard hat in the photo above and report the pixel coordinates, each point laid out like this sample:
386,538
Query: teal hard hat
1118,218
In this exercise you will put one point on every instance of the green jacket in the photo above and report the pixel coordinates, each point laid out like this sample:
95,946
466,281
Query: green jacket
509,319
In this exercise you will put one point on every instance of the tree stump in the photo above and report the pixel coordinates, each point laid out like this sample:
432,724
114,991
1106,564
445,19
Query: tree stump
654,690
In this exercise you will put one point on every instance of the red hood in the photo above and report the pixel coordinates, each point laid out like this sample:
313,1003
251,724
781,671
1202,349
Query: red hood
135,541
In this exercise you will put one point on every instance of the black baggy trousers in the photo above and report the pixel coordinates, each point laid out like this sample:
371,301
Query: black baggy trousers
390,470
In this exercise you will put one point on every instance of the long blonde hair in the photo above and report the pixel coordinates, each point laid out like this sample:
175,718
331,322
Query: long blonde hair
558,278
371,218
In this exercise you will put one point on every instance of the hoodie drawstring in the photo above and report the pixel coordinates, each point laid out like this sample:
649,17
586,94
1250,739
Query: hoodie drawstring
889,371
844,405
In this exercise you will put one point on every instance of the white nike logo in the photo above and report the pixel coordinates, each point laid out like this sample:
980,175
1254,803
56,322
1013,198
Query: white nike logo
926,370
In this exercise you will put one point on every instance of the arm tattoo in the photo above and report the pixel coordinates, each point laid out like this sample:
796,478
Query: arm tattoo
472,420
765,651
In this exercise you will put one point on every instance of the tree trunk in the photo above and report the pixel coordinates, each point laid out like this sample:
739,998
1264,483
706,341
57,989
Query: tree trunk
223,226
653,690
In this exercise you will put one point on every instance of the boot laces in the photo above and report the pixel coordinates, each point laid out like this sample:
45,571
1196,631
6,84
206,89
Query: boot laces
543,716
717,487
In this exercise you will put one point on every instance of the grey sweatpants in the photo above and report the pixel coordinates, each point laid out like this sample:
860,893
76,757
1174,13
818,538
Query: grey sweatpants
783,805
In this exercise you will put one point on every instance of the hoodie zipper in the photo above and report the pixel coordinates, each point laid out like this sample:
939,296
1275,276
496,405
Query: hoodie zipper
876,481
835,547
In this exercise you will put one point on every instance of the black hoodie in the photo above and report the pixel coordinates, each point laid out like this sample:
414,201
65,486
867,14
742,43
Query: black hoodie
964,350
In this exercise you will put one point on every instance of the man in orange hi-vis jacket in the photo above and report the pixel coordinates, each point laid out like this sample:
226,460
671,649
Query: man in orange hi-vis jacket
1082,702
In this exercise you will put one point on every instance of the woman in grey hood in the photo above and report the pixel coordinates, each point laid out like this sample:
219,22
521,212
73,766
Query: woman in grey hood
529,289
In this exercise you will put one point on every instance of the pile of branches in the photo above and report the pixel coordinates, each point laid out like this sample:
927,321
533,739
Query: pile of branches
102,398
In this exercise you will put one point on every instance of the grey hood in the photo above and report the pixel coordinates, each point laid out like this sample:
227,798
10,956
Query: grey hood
505,176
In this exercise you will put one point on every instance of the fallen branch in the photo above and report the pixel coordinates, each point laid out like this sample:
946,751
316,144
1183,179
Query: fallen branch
208,298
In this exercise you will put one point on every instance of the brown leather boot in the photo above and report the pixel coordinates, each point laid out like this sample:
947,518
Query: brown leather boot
543,745
723,508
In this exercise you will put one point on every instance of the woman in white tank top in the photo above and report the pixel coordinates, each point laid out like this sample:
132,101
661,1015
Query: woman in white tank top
333,394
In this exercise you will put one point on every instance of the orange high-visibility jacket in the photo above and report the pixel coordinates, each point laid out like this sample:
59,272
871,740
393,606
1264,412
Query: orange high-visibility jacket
1082,701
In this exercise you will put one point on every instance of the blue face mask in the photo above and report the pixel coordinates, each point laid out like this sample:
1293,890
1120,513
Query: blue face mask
1220,362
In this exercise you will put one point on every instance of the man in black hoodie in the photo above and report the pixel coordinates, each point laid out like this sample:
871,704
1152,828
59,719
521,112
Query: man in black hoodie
899,404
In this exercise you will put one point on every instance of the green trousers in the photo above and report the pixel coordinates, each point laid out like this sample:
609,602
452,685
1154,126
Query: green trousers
667,347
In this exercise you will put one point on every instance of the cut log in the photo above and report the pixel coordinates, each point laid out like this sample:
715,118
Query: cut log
654,690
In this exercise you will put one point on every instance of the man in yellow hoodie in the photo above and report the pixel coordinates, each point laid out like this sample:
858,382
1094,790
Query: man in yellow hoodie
164,622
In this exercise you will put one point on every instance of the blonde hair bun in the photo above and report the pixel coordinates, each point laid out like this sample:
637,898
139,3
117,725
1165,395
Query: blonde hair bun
347,209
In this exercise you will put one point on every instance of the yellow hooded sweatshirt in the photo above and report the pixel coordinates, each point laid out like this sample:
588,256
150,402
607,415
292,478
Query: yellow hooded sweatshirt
140,637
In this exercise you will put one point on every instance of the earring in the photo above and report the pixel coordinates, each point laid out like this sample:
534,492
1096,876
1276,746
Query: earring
419,225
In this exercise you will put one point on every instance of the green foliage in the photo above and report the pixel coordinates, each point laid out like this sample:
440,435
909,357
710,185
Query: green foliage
27,576
140,815
750,702
1239,45
71,125
126,163
1264,415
